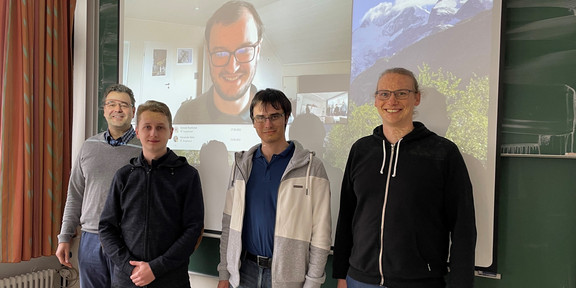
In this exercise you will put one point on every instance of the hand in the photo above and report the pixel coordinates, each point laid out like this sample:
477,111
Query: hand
223,284
142,275
342,283
63,254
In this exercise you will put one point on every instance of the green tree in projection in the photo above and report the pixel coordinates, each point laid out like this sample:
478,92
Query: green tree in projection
467,108
192,156
469,114
361,122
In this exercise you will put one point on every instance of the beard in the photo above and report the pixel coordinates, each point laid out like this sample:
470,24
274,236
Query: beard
232,97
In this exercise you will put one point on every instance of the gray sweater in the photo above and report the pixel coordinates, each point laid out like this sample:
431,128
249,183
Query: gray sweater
90,180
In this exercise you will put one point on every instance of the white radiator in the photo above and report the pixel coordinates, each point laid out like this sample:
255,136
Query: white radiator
38,279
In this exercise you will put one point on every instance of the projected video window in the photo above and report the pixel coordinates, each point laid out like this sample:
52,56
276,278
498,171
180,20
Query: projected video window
330,107
326,57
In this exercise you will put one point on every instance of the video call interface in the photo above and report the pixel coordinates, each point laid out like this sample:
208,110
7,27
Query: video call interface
326,59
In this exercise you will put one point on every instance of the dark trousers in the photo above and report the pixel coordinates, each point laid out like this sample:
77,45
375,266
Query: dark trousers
96,270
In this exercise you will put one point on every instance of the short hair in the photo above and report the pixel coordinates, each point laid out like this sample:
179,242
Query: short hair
274,97
154,106
401,71
229,13
121,89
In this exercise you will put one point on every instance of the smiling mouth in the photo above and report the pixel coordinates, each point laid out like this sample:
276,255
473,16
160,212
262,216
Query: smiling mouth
392,110
231,77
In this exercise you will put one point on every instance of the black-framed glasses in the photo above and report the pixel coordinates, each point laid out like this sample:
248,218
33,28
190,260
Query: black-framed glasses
242,55
400,94
114,104
272,117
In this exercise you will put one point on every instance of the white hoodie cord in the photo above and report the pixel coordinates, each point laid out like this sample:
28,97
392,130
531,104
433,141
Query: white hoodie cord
397,154
383,158
395,159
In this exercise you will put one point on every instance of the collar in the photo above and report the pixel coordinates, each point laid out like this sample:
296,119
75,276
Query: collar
122,140
286,153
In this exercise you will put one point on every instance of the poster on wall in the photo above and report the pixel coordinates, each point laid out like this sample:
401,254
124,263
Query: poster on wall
159,62
540,105
184,56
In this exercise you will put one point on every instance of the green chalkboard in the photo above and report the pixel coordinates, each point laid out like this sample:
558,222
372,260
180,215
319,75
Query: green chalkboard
108,50
536,232
537,196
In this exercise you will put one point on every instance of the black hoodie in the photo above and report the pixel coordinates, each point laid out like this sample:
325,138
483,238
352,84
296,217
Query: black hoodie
154,213
400,207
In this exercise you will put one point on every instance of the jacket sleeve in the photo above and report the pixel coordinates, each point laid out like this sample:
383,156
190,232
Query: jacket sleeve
343,240
322,228
109,228
463,224
193,226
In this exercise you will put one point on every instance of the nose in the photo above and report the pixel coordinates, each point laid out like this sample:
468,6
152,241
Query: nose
268,122
392,98
232,64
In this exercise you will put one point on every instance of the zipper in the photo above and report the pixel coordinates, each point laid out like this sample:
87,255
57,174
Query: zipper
147,212
381,255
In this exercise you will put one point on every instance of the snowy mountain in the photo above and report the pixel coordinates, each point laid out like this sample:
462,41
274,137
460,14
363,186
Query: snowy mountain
389,28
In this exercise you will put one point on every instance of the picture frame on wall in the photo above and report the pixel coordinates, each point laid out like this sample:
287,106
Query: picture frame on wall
159,62
184,56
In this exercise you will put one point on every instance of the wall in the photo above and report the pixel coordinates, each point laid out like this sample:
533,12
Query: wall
182,81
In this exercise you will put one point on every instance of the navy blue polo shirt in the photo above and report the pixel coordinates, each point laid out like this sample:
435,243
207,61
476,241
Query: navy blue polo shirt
261,200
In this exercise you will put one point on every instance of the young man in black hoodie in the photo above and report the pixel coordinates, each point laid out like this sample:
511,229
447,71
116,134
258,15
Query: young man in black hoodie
406,201
154,213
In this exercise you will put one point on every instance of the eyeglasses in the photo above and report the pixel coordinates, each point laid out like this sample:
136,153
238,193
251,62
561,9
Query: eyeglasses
242,55
399,94
114,104
273,117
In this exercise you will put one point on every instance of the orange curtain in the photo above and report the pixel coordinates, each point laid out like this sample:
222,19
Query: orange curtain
36,71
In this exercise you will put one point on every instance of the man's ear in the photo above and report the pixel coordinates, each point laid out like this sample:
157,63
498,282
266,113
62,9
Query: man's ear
418,98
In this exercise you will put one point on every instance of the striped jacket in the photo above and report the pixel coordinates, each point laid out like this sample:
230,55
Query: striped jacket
302,235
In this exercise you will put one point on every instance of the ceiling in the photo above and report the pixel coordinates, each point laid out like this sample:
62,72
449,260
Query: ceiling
299,31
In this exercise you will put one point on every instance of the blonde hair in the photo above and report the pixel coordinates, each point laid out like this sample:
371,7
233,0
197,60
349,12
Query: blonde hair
154,106
402,71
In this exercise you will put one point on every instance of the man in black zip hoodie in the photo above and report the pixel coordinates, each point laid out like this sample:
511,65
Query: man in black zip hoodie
406,207
154,214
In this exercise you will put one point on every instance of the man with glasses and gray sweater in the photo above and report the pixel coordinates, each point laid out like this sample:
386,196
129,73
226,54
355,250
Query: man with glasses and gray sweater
98,160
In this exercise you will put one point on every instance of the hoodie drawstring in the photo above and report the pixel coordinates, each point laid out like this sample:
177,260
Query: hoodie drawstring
395,159
383,158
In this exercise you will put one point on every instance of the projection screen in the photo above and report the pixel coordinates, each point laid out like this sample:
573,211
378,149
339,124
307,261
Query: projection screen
326,55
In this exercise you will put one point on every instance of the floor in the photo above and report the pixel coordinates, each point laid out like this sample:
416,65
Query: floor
202,281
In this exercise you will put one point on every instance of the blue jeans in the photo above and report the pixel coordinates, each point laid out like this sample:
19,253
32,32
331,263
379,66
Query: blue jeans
96,269
351,283
252,276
